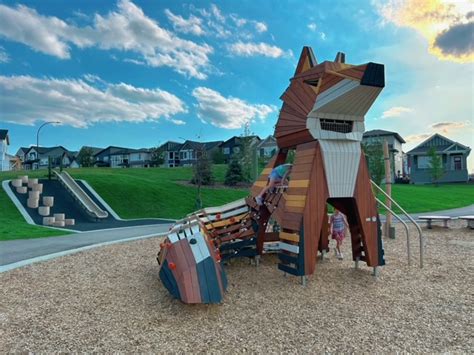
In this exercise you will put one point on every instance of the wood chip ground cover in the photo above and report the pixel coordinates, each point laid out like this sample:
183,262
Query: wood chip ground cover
110,299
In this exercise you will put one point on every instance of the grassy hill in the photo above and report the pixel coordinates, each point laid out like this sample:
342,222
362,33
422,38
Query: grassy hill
160,192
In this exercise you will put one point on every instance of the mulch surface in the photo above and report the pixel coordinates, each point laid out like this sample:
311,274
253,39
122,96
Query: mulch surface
110,299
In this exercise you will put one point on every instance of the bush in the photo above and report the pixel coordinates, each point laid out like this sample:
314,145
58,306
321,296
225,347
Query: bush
234,173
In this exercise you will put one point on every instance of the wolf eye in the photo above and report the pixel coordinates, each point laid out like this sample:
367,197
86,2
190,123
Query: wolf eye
312,82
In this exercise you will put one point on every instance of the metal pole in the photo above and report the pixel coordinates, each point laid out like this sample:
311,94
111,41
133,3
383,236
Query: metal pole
37,137
388,187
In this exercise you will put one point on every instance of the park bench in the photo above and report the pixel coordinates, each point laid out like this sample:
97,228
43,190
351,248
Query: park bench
430,219
469,219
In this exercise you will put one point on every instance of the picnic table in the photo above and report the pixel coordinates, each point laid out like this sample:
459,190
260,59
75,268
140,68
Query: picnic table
430,219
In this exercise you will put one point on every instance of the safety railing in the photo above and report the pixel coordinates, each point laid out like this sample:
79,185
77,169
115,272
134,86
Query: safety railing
410,218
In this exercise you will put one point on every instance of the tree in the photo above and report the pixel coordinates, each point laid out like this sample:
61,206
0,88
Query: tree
375,161
86,157
157,156
202,169
248,155
436,166
218,156
234,173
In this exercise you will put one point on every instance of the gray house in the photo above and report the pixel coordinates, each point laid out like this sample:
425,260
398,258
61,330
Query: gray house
267,147
187,153
233,145
395,142
453,156
38,157
119,157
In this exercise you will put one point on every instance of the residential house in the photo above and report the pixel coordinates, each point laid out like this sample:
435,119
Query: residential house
69,159
398,161
233,146
170,151
21,153
119,157
38,157
187,153
453,156
4,157
267,147
91,151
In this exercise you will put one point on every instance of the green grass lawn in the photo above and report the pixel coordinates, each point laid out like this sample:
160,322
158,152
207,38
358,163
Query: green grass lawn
157,192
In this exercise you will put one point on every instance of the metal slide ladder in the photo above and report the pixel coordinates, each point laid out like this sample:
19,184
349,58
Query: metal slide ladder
78,194
420,233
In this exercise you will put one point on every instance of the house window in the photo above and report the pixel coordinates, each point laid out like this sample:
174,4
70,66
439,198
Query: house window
171,155
183,155
457,163
226,150
262,152
423,162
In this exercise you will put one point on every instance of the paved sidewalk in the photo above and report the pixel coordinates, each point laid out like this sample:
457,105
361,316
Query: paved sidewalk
455,212
12,251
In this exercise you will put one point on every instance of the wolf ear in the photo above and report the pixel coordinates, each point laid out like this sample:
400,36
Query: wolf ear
307,60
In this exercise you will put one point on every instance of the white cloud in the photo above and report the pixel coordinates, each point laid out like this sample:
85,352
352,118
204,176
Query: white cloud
417,138
26,99
4,57
312,26
217,13
322,35
177,122
261,27
127,29
396,111
192,25
447,127
230,113
250,49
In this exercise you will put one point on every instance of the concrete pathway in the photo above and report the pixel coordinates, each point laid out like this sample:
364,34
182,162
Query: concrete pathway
455,212
12,251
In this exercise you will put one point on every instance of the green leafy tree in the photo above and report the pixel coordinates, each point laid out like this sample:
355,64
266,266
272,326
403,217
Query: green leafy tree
436,166
157,156
218,157
375,161
248,155
234,173
202,169
86,157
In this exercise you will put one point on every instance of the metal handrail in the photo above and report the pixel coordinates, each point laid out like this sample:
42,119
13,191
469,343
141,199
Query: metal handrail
404,224
420,233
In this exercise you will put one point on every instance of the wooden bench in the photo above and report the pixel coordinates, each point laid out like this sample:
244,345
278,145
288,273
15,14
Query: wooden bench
469,219
429,219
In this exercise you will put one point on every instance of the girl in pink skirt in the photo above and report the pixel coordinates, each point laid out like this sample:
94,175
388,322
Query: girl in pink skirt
338,230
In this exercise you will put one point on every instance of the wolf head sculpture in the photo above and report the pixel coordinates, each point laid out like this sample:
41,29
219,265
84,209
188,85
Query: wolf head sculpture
327,100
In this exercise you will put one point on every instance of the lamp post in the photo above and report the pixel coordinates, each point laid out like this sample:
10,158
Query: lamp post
37,137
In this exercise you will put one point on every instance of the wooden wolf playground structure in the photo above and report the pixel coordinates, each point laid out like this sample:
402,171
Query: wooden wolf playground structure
322,119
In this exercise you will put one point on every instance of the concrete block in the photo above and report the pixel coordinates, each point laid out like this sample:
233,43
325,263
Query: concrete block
37,187
22,190
32,202
70,221
48,221
17,183
34,194
59,223
59,216
48,201
32,182
43,210
24,179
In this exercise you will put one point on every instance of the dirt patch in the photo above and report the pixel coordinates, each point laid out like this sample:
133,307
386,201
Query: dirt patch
110,299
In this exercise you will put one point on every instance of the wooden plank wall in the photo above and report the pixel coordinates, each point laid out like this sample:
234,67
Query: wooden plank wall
367,211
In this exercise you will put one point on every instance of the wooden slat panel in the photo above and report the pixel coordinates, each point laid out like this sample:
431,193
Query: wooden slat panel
329,80
294,139
296,203
293,209
293,237
289,247
315,212
290,197
298,183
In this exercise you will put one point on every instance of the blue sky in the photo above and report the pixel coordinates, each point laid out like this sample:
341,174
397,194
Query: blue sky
139,73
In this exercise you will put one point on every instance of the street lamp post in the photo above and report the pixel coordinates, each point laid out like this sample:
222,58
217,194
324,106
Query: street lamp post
37,137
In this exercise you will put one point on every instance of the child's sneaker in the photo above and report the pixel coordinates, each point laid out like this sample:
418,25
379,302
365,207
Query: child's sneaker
259,200
340,256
